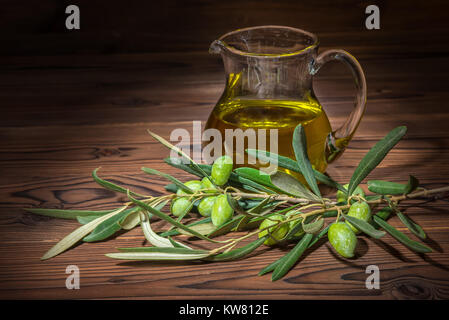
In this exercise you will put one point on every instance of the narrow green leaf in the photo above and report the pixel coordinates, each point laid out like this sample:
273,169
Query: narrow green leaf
162,250
86,219
288,184
171,187
412,226
108,227
292,165
158,253
75,236
203,228
386,187
365,227
375,156
67,214
130,221
153,238
254,175
178,183
175,232
290,258
234,179
169,219
269,268
384,213
238,253
313,227
226,227
111,186
235,205
273,265
179,151
176,244
319,236
156,256
412,184
300,147
414,245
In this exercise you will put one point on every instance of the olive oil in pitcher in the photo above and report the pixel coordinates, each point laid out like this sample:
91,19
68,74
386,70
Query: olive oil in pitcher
283,115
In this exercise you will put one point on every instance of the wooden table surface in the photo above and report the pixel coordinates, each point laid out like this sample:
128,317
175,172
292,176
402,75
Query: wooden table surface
64,115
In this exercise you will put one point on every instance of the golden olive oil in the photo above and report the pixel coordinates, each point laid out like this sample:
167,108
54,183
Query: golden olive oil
283,115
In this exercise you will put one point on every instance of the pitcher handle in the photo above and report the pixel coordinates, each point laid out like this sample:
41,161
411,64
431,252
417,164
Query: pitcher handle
339,139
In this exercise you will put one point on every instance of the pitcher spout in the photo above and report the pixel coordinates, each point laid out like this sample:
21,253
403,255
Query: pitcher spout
216,47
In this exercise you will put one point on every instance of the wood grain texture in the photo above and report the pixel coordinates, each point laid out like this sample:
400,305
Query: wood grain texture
64,114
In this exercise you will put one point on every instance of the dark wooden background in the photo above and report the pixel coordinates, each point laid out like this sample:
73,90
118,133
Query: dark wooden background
75,100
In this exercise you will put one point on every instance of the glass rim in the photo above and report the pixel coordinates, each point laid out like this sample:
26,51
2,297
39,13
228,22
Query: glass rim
269,55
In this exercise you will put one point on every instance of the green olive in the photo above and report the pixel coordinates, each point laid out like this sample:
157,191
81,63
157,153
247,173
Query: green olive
208,185
342,238
341,197
359,210
221,210
179,206
193,185
293,223
205,206
276,232
221,170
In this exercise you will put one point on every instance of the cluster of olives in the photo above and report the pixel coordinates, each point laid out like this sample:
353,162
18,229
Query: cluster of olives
216,207
342,235
276,230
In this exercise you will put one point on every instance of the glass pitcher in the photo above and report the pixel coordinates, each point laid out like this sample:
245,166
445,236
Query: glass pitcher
269,71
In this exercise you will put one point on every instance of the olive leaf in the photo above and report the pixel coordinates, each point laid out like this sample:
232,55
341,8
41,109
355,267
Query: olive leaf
412,184
384,213
111,186
238,253
319,236
234,179
412,226
87,219
300,147
75,236
226,227
169,219
203,228
314,226
153,238
235,205
130,221
174,232
273,265
414,245
291,234
158,254
386,187
392,188
178,183
374,156
364,227
290,258
108,227
291,186
171,187
67,213
180,152
254,175
292,165
261,210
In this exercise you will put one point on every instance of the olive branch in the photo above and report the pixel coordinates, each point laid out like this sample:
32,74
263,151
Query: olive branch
274,208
